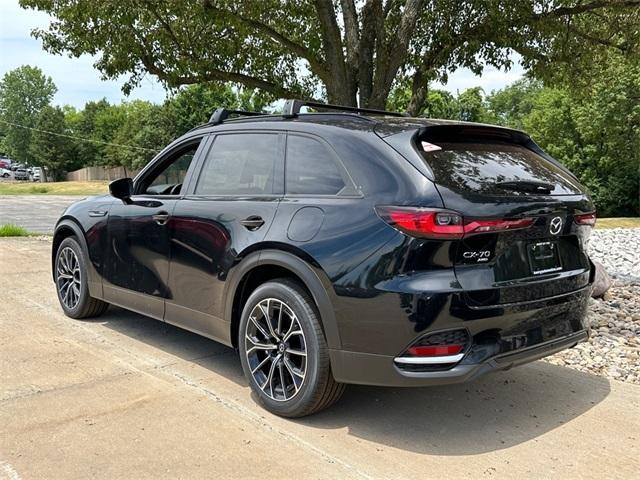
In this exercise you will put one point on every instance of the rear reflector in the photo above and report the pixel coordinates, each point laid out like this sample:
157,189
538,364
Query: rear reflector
585,219
444,224
433,351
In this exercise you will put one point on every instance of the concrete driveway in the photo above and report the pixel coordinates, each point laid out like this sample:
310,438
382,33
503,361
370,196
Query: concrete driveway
36,213
124,396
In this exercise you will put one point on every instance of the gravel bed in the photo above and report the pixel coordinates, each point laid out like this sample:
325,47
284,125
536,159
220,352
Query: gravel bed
613,350
618,249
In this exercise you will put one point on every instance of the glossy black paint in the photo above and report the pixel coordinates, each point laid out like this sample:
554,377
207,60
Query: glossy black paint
377,289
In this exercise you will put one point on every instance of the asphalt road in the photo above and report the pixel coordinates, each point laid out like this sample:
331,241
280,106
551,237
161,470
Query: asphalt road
36,213
124,396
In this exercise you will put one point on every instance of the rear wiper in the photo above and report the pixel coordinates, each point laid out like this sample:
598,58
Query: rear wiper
526,186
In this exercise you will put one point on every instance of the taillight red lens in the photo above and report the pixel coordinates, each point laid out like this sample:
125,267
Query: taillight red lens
428,223
435,350
585,219
444,224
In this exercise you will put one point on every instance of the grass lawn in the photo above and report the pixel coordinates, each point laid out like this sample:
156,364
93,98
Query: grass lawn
54,188
622,222
10,230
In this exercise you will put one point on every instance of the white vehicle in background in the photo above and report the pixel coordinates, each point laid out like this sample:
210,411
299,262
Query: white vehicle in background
5,173
36,176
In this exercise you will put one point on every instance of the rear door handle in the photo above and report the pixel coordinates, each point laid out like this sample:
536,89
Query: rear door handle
252,223
161,218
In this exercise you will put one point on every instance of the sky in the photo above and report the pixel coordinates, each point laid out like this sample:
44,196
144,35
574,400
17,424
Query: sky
79,82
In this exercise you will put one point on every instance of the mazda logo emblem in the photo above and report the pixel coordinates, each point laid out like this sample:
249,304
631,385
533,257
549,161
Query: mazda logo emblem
555,226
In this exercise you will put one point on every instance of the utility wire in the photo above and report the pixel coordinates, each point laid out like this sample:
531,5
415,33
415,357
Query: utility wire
78,138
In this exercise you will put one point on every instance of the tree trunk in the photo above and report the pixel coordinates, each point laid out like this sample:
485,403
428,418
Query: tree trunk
419,90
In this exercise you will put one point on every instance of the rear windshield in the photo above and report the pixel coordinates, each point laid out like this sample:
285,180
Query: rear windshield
480,167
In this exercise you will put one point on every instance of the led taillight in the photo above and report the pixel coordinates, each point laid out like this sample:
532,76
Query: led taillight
585,219
444,224
428,223
434,350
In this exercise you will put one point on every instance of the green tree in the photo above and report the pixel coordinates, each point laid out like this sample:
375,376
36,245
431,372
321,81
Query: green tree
83,125
441,104
141,132
23,93
510,105
471,106
50,146
344,51
596,134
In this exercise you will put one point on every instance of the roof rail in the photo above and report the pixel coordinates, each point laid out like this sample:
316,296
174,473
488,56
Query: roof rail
221,114
292,108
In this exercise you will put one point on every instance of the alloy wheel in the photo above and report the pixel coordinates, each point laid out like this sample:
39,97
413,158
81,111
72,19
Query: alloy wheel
276,349
68,277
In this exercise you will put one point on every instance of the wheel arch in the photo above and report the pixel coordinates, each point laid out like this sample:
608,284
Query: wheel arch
68,227
269,263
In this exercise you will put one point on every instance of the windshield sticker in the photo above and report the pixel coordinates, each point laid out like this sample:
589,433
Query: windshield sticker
430,147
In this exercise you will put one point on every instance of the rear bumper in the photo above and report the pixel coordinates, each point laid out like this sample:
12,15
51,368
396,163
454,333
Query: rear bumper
372,369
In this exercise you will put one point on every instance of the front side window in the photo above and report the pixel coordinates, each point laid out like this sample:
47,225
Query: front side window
241,164
311,168
168,179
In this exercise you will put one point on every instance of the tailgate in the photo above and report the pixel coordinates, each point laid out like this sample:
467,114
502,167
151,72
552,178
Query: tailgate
486,173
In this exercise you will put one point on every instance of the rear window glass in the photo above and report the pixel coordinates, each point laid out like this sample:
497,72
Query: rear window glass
477,167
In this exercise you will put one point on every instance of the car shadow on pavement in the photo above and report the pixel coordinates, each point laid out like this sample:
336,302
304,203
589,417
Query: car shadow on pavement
494,412
175,341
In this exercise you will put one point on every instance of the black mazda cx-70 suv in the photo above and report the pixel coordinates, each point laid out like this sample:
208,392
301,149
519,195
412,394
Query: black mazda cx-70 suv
342,246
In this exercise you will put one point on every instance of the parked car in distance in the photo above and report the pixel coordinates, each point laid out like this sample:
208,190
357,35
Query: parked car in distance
344,246
36,175
15,166
5,163
5,173
21,174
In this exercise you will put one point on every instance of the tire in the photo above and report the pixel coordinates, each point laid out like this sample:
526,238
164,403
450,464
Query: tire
71,282
308,382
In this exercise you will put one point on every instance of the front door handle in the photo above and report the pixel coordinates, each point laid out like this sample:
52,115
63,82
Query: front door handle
161,218
252,223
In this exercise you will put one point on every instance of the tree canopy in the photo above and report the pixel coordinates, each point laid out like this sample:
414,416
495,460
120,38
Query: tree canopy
344,51
23,93
49,144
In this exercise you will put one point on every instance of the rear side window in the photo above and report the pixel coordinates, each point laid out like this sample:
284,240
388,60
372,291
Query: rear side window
241,164
312,168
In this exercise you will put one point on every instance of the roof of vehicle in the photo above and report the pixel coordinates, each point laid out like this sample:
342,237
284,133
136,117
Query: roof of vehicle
384,125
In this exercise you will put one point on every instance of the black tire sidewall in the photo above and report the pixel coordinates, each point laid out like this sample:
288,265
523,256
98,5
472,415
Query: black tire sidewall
307,317
78,311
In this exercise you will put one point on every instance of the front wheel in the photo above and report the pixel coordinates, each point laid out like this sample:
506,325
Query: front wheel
283,351
71,282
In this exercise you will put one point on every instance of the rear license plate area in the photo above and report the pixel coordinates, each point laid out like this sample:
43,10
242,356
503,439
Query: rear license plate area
544,257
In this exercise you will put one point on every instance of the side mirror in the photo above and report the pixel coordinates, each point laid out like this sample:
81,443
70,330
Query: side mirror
122,189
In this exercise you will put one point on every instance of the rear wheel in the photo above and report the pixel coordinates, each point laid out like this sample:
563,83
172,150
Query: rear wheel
71,282
283,351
